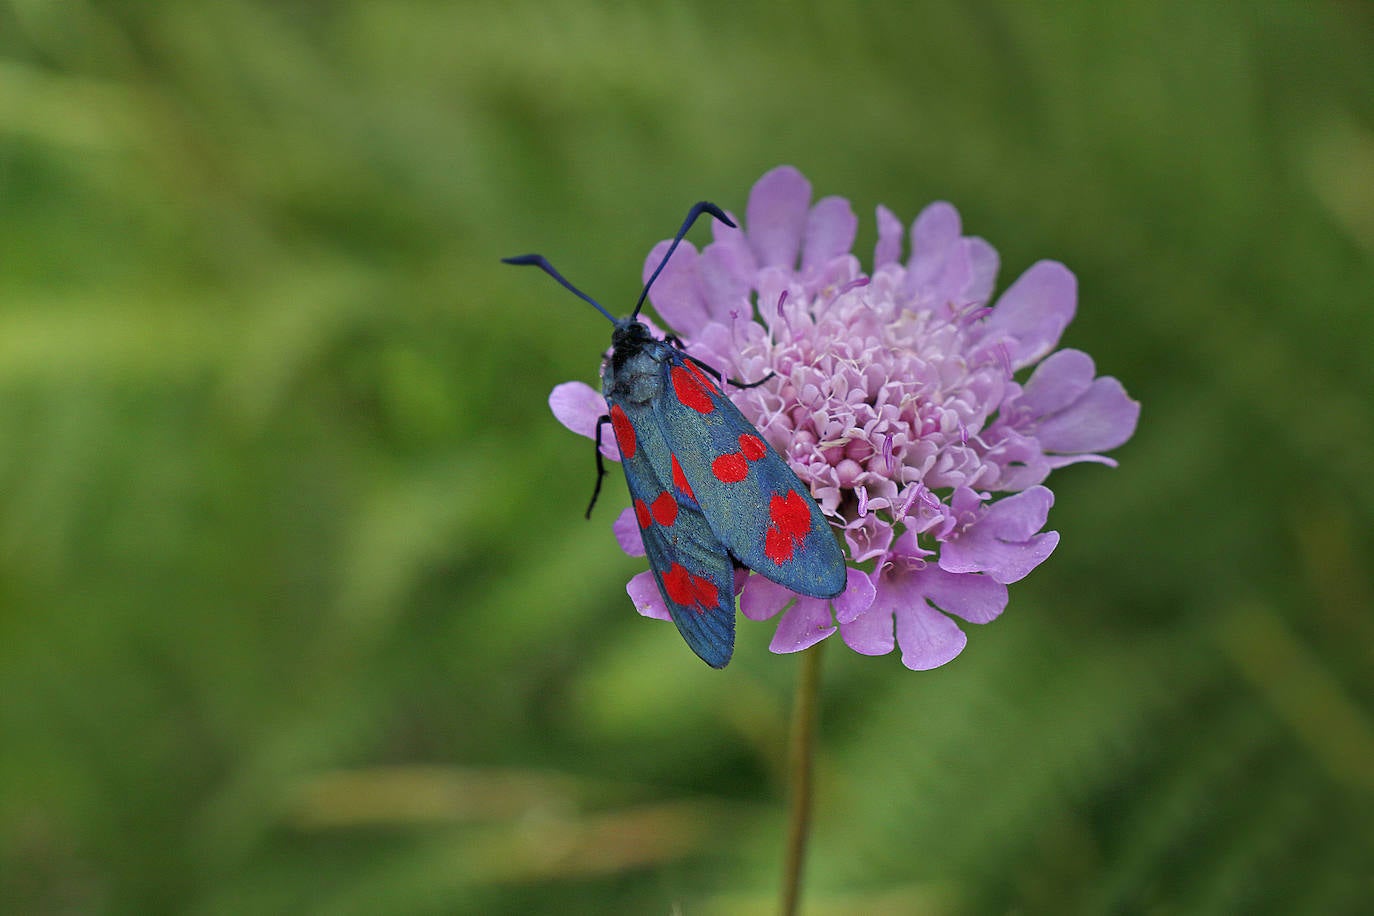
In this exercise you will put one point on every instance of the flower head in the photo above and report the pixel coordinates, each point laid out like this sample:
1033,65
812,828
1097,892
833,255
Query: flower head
894,394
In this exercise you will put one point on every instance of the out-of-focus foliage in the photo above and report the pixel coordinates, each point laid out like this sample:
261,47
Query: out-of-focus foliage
298,611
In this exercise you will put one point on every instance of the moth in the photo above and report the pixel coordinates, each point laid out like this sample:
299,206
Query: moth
709,493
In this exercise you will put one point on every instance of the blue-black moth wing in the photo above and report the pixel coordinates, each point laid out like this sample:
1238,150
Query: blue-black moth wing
754,502
689,563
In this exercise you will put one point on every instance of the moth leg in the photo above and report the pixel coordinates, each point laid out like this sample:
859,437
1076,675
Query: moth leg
600,463
707,367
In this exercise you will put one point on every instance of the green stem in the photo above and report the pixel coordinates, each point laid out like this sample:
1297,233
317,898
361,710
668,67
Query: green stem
801,763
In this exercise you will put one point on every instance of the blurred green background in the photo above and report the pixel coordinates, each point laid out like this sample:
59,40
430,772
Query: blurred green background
298,610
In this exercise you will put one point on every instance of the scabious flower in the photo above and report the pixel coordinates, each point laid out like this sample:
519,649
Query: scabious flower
895,395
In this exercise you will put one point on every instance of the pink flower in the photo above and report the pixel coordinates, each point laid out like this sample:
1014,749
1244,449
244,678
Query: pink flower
894,395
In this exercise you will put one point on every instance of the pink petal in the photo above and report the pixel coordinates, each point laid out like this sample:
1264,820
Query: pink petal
928,638
868,537
908,543
1021,516
890,230
983,263
966,504
830,229
1103,418
1031,315
977,599
579,406
946,269
871,633
676,294
933,236
762,598
1057,382
956,281
627,534
776,216
643,591
857,596
1072,412
902,614
806,623
1003,542
771,283
1020,460
735,244
725,282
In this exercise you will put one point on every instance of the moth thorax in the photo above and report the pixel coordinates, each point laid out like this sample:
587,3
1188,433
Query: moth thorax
633,376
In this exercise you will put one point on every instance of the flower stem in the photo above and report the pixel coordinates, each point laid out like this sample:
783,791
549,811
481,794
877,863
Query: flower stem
801,763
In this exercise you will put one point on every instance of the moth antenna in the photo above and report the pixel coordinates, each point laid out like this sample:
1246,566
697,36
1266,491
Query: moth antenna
538,260
698,208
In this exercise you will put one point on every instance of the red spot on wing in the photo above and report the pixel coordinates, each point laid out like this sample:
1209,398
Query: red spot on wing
691,389
665,509
680,481
791,513
791,522
777,546
642,514
688,589
624,431
752,446
731,468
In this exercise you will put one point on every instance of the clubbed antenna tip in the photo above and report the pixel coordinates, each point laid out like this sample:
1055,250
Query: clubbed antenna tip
538,260
700,207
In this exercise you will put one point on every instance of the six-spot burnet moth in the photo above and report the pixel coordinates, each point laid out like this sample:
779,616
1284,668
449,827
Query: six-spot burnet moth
708,492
